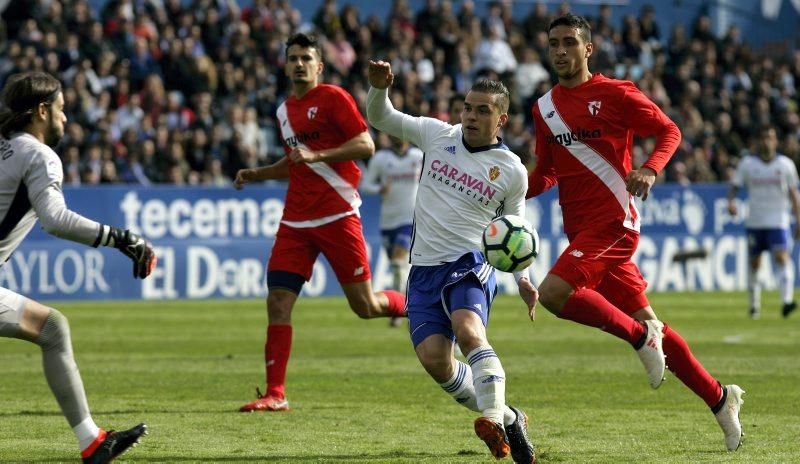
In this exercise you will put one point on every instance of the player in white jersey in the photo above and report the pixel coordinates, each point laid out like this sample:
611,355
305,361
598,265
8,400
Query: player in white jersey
469,177
394,174
771,182
30,188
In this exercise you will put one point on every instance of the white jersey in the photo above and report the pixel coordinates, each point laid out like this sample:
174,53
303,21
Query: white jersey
30,188
401,175
767,185
461,188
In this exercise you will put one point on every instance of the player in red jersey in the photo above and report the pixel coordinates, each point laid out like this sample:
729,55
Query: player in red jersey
323,133
584,132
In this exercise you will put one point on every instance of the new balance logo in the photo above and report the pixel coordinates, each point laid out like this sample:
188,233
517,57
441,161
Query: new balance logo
358,271
576,253
451,150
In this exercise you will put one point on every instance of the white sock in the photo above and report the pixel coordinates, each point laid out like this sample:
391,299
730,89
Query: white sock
508,416
754,288
400,270
786,282
489,381
86,432
460,387
403,268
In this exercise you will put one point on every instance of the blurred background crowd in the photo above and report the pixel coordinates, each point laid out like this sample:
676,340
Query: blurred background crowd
185,92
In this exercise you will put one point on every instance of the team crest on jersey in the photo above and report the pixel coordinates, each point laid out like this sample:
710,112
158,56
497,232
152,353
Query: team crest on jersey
594,107
312,112
494,173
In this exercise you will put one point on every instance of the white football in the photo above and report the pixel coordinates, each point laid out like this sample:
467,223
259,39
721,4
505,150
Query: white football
510,243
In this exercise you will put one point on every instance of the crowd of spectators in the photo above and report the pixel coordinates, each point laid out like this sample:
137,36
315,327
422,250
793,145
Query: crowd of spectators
165,91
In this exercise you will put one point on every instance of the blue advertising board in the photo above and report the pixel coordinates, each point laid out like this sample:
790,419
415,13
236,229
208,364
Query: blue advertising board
214,243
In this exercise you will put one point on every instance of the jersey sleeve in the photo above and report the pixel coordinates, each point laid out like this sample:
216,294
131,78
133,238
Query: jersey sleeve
346,115
43,181
515,201
543,176
646,119
384,117
43,171
371,182
791,173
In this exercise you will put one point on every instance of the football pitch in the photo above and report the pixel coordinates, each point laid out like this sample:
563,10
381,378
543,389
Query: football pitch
359,395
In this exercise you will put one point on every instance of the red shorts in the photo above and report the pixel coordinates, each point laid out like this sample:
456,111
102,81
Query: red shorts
341,242
600,259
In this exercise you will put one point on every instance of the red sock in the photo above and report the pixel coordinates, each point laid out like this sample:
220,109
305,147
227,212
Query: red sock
397,303
93,446
686,367
590,308
276,357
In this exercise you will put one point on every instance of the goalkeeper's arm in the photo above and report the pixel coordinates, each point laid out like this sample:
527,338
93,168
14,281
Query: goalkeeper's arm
60,221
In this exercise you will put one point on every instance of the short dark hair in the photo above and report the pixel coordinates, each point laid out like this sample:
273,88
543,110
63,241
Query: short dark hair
304,40
576,22
496,88
22,94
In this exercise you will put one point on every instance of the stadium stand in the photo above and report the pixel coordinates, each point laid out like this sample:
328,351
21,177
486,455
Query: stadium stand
185,92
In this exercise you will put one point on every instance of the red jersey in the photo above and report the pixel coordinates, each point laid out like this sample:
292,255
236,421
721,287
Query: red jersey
584,136
325,117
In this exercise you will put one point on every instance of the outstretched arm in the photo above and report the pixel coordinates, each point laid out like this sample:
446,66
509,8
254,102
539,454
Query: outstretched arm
60,221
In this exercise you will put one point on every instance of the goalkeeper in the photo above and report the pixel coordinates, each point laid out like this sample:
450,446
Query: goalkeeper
30,189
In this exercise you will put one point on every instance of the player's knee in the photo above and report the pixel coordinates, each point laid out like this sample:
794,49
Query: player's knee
469,339
55,331
438,367
279,305
552,297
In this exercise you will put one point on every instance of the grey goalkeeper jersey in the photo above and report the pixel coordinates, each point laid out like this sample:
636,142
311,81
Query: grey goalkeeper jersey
30,188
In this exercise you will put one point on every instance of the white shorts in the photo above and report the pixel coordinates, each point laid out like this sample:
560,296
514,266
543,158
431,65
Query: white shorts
11,305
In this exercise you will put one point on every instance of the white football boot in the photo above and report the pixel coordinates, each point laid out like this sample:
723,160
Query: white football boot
728,416
652,353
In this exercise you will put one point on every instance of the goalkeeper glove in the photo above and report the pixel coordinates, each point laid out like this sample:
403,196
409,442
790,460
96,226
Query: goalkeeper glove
131,245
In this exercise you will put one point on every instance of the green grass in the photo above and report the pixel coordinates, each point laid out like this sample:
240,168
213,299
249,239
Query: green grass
359,395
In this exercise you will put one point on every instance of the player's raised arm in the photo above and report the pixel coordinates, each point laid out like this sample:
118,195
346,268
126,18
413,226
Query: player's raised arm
380,112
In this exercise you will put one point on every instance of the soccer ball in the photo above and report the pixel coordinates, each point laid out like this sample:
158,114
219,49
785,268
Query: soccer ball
510,243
